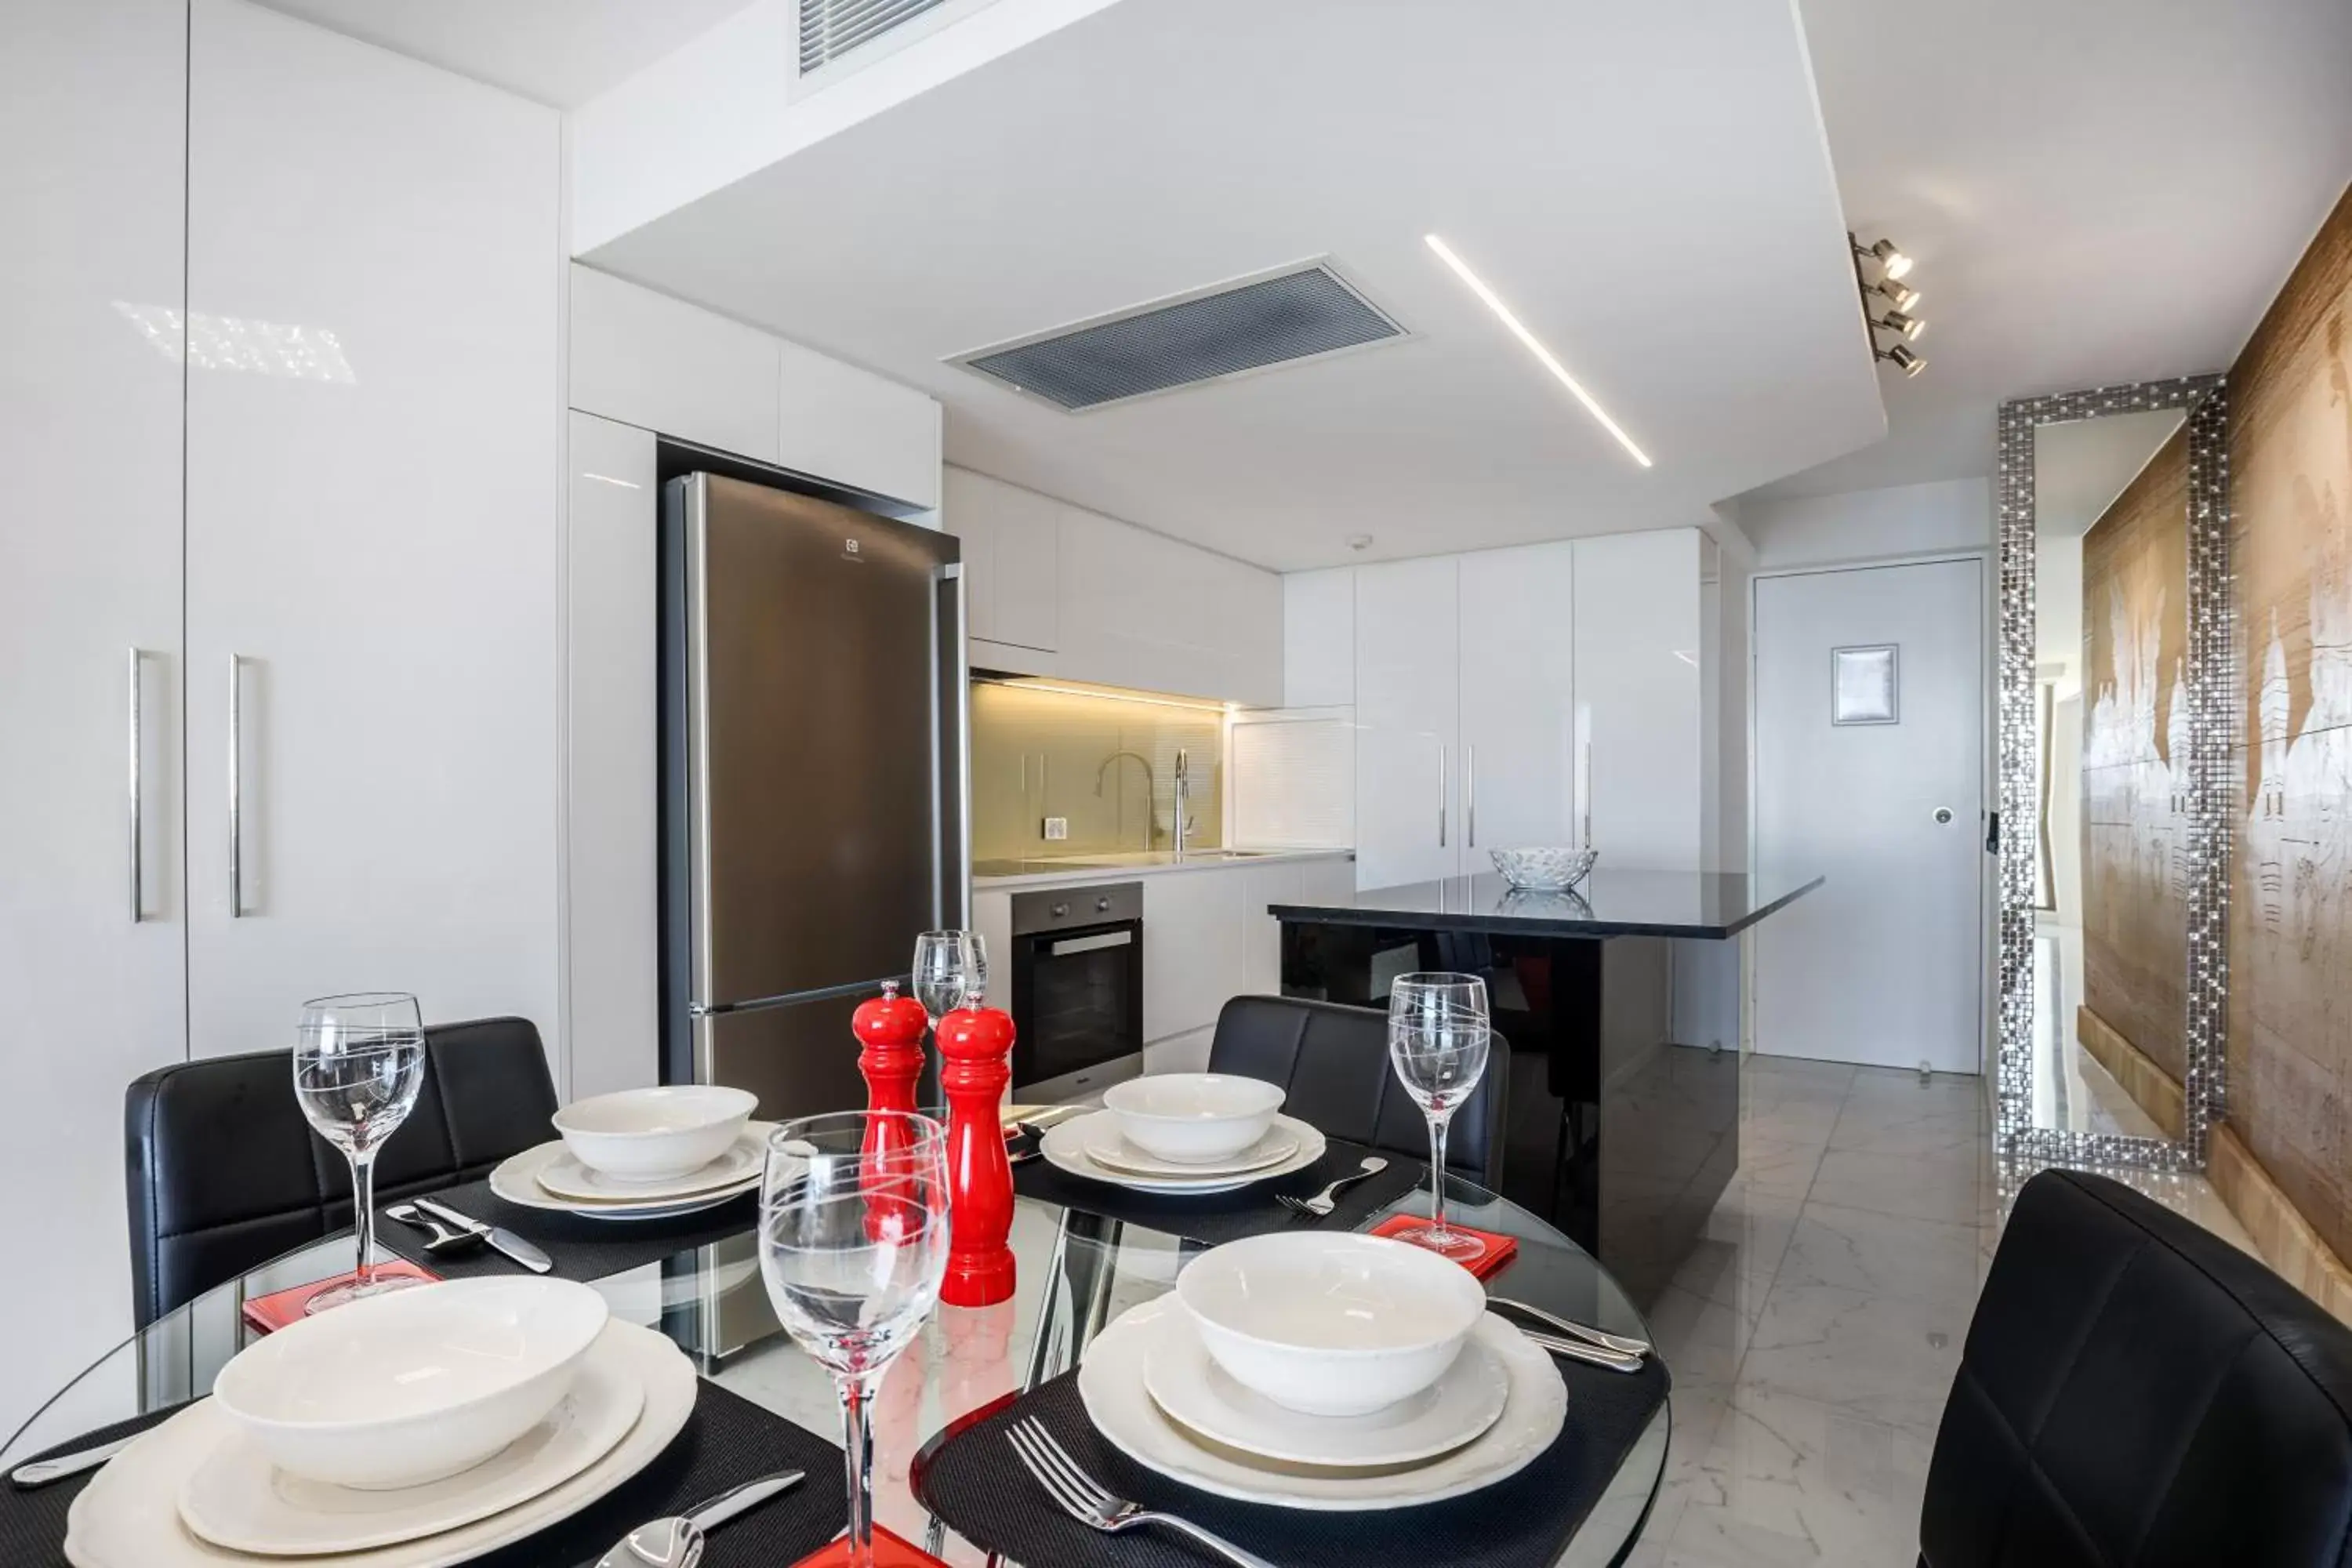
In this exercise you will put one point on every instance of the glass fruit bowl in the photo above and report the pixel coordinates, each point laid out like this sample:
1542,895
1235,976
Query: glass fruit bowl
1544,870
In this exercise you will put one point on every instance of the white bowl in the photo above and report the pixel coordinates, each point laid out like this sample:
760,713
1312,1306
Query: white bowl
1193,1118
402,1389
1330,1325
653,1134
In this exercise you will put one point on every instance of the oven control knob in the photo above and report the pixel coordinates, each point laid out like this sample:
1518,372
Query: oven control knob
1061,910
1102,906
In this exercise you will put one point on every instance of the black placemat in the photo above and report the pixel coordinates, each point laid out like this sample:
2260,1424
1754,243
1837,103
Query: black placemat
975,1481
727,1441
1215,1218
582,1249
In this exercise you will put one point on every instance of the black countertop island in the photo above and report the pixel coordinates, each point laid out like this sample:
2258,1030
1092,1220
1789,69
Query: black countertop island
1620,1005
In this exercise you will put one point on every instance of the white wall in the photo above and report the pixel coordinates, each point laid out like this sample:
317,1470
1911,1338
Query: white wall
1863,525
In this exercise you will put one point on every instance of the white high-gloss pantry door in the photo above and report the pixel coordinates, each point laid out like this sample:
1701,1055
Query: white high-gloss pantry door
1881,964
92,989
1518,701
1408,654
374,516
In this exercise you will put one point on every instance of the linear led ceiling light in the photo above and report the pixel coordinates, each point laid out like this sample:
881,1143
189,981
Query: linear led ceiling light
1503,313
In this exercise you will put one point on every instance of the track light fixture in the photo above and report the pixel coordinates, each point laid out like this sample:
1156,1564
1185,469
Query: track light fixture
1897,321
1901,296
1902,359
1894,261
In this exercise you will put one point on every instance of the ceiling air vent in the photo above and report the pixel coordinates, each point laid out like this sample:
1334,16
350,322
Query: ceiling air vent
831,28
1228,328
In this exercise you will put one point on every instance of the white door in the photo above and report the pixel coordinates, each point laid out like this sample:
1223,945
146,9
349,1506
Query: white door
1639,646
1879,965
1518,700
91,960
374,517
1407,698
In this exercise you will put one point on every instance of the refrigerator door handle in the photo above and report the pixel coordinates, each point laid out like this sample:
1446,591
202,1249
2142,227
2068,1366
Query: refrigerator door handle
958,673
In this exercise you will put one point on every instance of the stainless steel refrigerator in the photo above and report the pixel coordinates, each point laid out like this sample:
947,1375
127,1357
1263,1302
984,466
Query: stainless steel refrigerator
816,744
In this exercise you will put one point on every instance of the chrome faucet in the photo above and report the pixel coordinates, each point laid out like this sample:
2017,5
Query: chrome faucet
1178,829
1110,761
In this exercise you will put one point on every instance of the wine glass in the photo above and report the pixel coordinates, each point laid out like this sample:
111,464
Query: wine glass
852,1245
945,964
1438,1035
359,1062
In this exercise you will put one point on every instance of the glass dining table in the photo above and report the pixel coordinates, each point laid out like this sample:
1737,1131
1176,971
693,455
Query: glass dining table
1077,1271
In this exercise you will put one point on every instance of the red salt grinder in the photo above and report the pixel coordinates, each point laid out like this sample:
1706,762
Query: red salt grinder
975,1051
891,1026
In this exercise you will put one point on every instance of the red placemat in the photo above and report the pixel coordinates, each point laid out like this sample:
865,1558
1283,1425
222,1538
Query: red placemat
267,1314
1499,1248
889,1552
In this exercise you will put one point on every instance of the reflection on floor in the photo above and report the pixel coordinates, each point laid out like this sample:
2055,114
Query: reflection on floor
2071,1090
1814,1336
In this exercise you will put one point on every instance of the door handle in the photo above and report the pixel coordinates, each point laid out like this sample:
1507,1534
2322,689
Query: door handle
1470,791
138,882
236,786
1441,797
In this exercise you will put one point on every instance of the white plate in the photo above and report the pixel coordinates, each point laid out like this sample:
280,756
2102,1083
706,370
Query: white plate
566,1177
129,1515
516,1179
1112,1382
1106,1147
236,1498
1065,1146
1189,1386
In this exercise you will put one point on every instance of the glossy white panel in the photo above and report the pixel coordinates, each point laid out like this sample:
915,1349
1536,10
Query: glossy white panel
1318,639
1638,653
91,160
1192,944
1518,700
378,536
1408,743
612,828
992,917
648,360
1011,554
857,428
1142,610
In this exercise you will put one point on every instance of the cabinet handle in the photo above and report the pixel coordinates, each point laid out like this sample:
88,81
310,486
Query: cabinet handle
236,786
1470,790
1441,797
1586,842
137,913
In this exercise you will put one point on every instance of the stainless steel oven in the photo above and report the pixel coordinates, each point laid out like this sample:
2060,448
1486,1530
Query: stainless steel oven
1078,989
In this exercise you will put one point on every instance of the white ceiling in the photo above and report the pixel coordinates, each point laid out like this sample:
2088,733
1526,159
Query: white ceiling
2095,191
558,52
2082,466
1646,185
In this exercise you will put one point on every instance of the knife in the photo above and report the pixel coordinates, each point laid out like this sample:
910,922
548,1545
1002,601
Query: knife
498,1235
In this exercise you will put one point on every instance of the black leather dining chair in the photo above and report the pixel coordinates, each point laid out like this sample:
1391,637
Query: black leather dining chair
1334,1061
2136,1390
224,1173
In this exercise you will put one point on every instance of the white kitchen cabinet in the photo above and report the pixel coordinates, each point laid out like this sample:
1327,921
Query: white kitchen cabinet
93,116
1408,696
1318,639
373,534
647,360
1518,700
1639,651
850,426
1011,540
1193,939
612,830
1142,610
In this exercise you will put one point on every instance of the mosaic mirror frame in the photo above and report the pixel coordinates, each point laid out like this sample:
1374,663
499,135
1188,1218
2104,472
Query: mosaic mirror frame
2211,690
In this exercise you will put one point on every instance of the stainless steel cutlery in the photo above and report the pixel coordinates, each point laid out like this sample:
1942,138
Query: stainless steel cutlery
1084,1499
1584,1350
41,1472
444,1238
499,1238
1321,1205
676,1541
1618,1343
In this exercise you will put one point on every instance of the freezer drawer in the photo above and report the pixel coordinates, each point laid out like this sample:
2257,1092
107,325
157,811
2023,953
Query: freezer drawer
799,1057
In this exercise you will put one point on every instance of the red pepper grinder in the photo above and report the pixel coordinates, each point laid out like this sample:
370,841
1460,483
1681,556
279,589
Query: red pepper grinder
891,1028
975,1050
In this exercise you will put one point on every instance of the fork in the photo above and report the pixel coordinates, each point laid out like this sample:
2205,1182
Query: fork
1078,1495
1321,1205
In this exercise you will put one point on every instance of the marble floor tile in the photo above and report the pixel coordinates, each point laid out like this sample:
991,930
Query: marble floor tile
1702,1341
1910,1129
1869,1355
1778,1164
1944,1186
1791,1480
1739,1249
1903,1259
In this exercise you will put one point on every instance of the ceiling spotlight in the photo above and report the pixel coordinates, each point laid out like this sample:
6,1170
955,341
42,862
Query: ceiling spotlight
1902,359
1895,263
1901,296
1897,321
